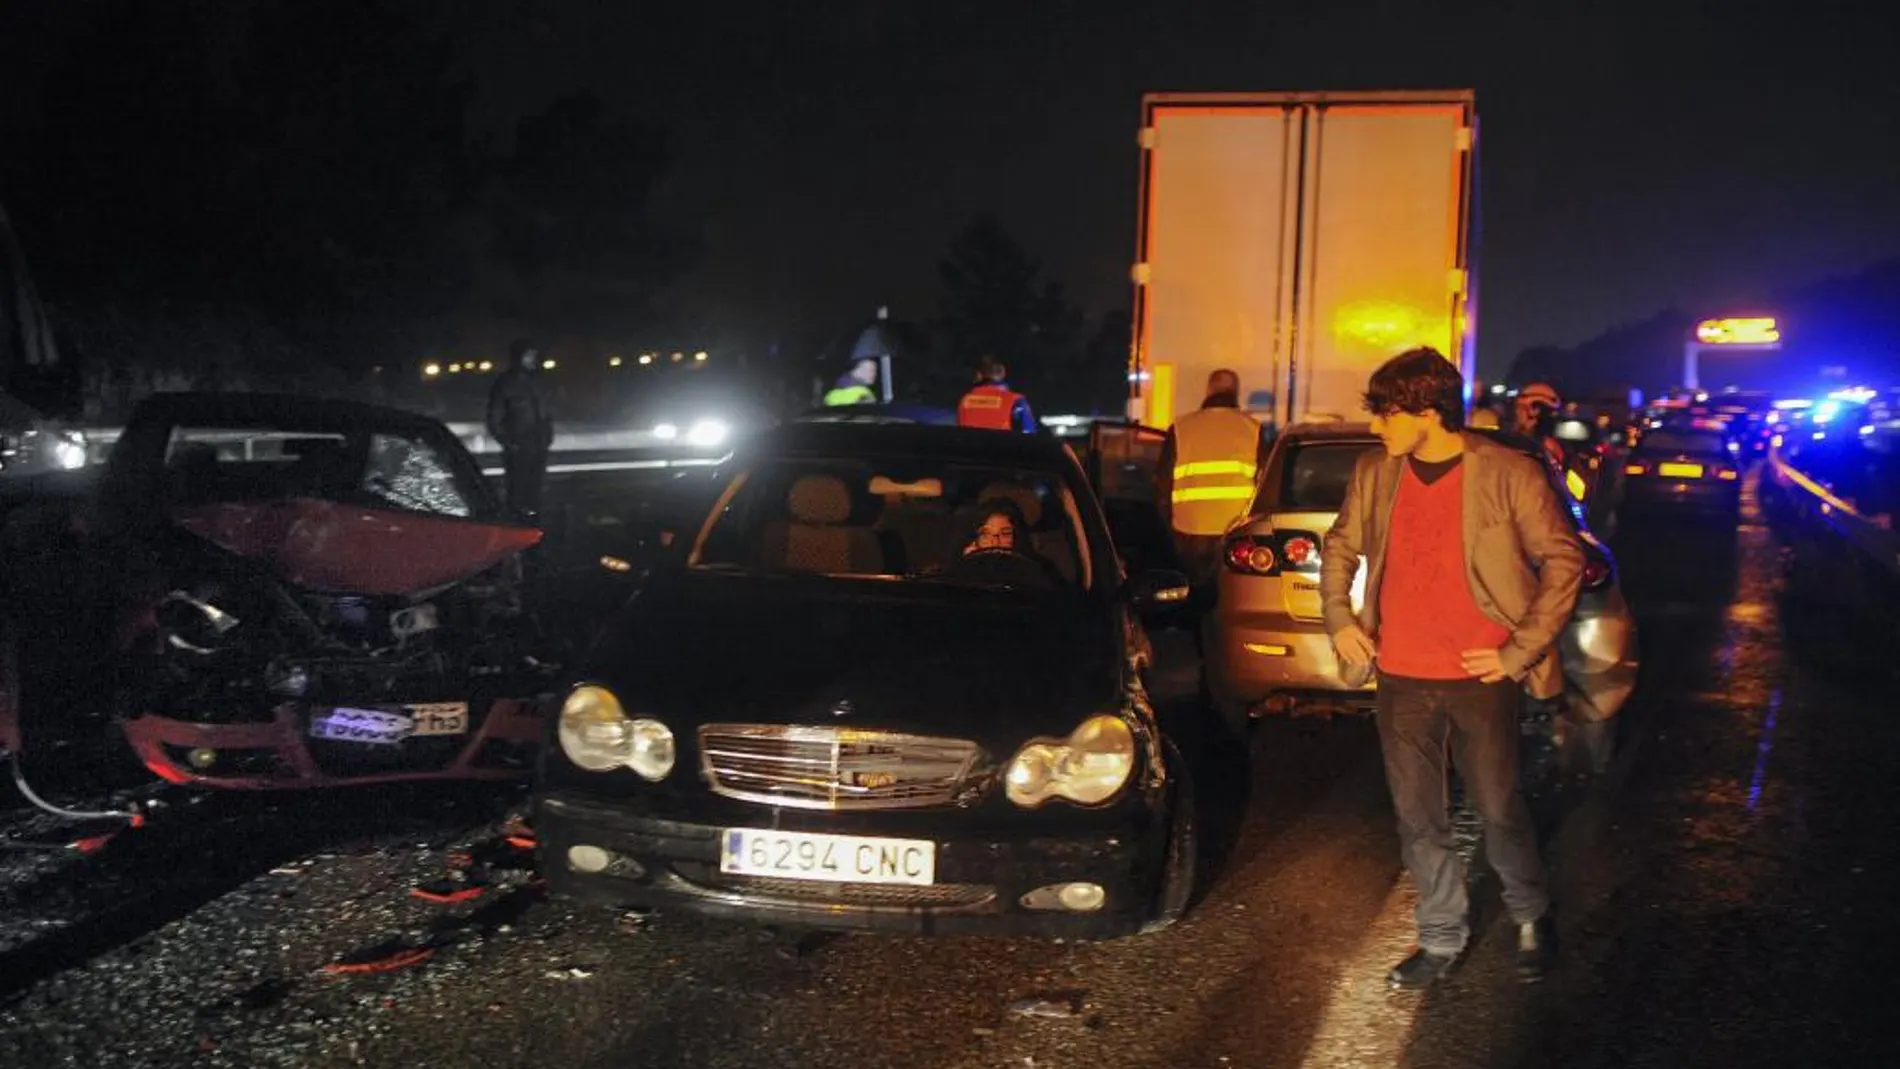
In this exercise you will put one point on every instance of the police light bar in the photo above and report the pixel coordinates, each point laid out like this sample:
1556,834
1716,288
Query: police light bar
1759,330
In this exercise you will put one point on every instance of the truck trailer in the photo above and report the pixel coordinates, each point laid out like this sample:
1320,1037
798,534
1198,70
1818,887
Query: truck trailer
1300,239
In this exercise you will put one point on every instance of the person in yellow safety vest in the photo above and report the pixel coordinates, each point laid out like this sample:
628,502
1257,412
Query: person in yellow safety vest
1209,466
854,386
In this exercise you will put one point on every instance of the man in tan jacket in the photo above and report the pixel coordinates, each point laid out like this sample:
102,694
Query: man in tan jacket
1472,572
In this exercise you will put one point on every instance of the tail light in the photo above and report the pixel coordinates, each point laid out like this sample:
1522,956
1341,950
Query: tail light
1635,469
1597,574
1272,552
1250,555
1729,474
1299,551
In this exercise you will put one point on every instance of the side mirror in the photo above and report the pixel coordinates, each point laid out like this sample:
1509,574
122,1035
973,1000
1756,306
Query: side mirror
1162,588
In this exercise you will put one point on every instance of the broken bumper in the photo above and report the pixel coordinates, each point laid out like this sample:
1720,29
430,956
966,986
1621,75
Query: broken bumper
276,754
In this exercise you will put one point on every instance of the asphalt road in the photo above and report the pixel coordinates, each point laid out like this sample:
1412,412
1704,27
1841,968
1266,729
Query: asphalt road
1723,897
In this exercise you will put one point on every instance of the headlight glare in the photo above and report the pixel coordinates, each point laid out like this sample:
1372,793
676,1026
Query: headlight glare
1088,768
708,432
666,432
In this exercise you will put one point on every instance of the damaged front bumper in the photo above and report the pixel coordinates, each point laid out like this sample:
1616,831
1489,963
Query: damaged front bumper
277,754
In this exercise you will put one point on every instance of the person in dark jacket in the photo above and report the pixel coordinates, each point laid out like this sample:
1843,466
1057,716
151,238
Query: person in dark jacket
519,423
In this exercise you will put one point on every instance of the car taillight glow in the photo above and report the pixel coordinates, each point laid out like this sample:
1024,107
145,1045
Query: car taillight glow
1299,551
1246,554
1635,469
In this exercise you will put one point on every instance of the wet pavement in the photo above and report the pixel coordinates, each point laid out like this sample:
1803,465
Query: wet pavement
1722,897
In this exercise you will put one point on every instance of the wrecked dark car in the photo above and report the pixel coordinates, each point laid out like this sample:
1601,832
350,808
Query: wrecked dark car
280,592
896,680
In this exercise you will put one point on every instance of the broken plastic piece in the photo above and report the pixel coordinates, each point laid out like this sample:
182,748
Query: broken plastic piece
386,961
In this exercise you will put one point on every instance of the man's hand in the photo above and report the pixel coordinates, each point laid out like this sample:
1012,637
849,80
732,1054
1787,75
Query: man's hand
1487,665
1354,645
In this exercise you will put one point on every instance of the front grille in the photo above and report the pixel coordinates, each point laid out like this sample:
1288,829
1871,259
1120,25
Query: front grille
935,896
834,768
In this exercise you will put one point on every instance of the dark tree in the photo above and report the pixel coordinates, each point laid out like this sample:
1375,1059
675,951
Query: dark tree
997,302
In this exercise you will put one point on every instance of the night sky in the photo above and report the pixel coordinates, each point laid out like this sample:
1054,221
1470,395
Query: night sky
830,150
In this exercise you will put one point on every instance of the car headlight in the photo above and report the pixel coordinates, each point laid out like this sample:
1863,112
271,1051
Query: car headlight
1089,767
69,452
708,432
666,432
597,735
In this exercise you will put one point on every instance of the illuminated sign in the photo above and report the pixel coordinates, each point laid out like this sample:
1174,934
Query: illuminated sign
1756,331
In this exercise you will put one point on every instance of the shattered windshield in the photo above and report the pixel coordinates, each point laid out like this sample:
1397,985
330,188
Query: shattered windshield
899,519
376,468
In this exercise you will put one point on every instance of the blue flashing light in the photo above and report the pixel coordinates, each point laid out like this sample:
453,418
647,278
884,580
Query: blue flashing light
1866,429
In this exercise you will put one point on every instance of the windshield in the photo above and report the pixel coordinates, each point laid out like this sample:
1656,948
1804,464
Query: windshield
899,518
1693,443
376,468
1314,477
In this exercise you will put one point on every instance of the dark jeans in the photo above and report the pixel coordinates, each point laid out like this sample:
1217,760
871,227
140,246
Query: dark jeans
523,472
1421,723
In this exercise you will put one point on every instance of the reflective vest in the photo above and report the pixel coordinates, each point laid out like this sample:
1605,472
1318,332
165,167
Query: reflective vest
1215,454
989,406
850,395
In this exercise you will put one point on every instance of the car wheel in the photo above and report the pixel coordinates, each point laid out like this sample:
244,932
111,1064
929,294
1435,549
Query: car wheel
1181,856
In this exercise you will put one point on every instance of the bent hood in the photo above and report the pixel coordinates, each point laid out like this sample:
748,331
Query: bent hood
701,649
347,549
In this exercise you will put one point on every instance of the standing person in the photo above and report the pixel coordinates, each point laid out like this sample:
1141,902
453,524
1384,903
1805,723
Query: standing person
1534,416
1472,572
519,423
991,404
854,386
1207,473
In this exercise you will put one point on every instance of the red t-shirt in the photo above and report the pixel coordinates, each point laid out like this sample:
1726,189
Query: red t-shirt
1427,614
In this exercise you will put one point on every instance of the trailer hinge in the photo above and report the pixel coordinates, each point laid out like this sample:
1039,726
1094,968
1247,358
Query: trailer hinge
1139,274
1147,137
1462,142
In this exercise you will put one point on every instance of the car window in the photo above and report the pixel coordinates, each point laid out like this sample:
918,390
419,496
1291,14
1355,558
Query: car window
897,518
1313,476
374,468
1694,443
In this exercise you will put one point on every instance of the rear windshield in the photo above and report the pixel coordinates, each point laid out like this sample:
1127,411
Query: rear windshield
1694,443
1313,477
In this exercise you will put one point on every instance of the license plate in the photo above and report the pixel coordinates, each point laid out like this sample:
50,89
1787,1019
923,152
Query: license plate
383,727
439,718
1679,471
371,726
831,858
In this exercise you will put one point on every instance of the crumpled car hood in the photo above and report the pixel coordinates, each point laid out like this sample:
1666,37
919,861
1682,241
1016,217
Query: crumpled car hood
348,549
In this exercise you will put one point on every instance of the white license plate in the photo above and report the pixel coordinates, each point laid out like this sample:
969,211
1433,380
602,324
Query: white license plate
371,726
833,858
382,727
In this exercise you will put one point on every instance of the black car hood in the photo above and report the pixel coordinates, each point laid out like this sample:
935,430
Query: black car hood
698,648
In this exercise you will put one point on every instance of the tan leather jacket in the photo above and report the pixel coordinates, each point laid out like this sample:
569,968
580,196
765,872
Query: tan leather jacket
1522,557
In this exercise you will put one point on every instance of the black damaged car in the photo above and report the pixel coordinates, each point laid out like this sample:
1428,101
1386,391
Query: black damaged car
895,680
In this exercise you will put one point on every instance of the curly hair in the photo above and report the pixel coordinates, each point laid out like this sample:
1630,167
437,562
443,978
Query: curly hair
1418,381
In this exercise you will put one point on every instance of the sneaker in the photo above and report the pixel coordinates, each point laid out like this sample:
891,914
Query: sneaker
1536,945
1422,969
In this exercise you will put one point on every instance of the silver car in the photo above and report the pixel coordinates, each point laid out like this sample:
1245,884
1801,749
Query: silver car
1266,651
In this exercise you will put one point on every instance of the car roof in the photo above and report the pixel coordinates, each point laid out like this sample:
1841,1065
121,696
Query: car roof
1330,429
286,410
917,439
